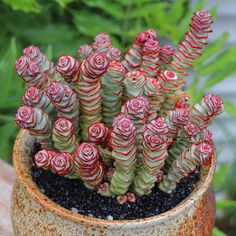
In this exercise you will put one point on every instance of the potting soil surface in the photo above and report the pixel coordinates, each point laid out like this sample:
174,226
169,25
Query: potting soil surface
73,195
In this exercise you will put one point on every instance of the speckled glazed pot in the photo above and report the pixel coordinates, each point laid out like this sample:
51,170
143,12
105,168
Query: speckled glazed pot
34,214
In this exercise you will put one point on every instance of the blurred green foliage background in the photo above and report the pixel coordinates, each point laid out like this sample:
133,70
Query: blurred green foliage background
61,26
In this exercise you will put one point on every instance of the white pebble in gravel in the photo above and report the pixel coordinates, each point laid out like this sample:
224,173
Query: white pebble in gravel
42,190
75,210
109,217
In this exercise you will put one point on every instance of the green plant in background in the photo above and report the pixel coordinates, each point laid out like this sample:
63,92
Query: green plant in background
59,26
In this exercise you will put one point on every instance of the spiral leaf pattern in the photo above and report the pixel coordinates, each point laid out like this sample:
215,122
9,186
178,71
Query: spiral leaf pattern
165,55
65,101
99,134
37,122
88,165
62,163
189,161
150,57
112,90
194,41
43,158
34,97
102,43
134,84
63,135
136,110
171,84
84,51
31,73
152,90
37,56
209,107
94,66
133,57
154,156
124,152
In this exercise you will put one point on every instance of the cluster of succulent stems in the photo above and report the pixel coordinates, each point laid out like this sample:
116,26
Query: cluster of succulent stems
122,126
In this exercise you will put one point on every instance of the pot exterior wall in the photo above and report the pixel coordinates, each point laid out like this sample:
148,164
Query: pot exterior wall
34,214
30,218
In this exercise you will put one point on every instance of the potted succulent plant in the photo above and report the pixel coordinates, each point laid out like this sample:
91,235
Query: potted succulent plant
111,146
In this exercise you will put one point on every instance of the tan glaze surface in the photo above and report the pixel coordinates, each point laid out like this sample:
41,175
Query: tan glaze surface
35,214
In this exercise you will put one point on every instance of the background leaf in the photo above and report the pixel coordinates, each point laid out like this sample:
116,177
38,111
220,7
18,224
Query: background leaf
222,204
211,50
6,132
230,108
13,86
24,5
221,175
92,26
112,8
217,232
64,3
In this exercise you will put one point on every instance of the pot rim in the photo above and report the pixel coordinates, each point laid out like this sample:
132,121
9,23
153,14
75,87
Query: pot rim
34,191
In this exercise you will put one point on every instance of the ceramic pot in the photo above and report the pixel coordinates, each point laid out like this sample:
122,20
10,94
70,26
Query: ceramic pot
34,214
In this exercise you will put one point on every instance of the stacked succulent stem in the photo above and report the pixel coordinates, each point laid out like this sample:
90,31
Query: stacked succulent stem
188,161
150,57
37,122
154,155
195,130
63,136
165,54
64,100
112,90
120,125
31,73
152,90
189,49
88,166
124,152
68,67
136,110
94,66
37,56
36,98
100,135
170,83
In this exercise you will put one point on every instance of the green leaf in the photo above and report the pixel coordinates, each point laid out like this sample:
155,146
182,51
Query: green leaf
213,12
50,33
7,118
192,88
13,86
177,10
211,49
222,204
112,8
217,232
221,175
93,25
159,13
24,5
64,3
48,52
230,108
220,75
221,62
8,132
196,97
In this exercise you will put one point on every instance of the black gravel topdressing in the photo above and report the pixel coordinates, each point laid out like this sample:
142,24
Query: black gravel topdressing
73,195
